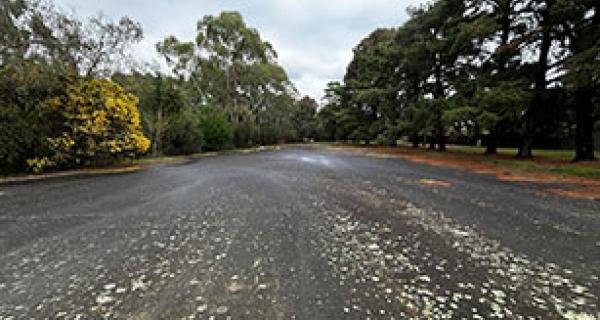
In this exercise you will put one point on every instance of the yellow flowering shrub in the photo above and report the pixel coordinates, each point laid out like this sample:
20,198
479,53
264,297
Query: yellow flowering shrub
101,123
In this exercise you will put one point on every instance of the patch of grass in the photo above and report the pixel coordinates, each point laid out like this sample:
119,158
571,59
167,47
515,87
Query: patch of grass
559,161
592,172
556,162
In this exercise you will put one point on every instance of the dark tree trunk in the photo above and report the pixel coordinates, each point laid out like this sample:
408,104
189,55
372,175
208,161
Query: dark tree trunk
491,143
526,148
441,140
415,141
584,108
525,151
584,138
432,143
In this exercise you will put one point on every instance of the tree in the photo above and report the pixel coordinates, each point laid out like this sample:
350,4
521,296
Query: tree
216,60
184,134
304,118
105,43
582,79
100,124
275,124
38,29
216,129
231,67
338,121
167,115
496,69
368,78
42,55
25,121
411,73
487,42
14,38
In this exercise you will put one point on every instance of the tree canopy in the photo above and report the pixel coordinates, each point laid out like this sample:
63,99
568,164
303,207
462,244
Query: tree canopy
521,73
70,95
511,72
228,65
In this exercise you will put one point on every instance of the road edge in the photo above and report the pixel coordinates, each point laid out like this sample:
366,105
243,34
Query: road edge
128,168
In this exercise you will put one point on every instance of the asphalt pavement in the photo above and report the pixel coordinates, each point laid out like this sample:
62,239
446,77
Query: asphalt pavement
301,233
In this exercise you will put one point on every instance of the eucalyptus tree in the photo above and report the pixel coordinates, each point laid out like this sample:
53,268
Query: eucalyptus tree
105,45
15,40
224,51
96,47
230,66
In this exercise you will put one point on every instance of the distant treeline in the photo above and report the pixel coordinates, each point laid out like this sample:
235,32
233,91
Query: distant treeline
71,95
524,73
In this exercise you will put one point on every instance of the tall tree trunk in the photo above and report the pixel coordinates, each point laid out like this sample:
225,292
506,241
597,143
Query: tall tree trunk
526,148
525,151
491,143
584,106
584,138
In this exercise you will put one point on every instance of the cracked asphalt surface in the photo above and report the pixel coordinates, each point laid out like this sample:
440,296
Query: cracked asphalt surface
302,233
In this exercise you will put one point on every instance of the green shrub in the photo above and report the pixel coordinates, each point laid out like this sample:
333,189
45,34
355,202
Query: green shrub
216,129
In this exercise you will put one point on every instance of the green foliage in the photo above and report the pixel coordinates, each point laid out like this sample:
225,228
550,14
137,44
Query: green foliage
245,134
184,135
468,70
49,116
327,123
216,129
229,66
38,30
504,101
304,119
167,117
25,122
56,112
485,69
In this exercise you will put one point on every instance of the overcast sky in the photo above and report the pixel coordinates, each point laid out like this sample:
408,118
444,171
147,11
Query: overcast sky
314,38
